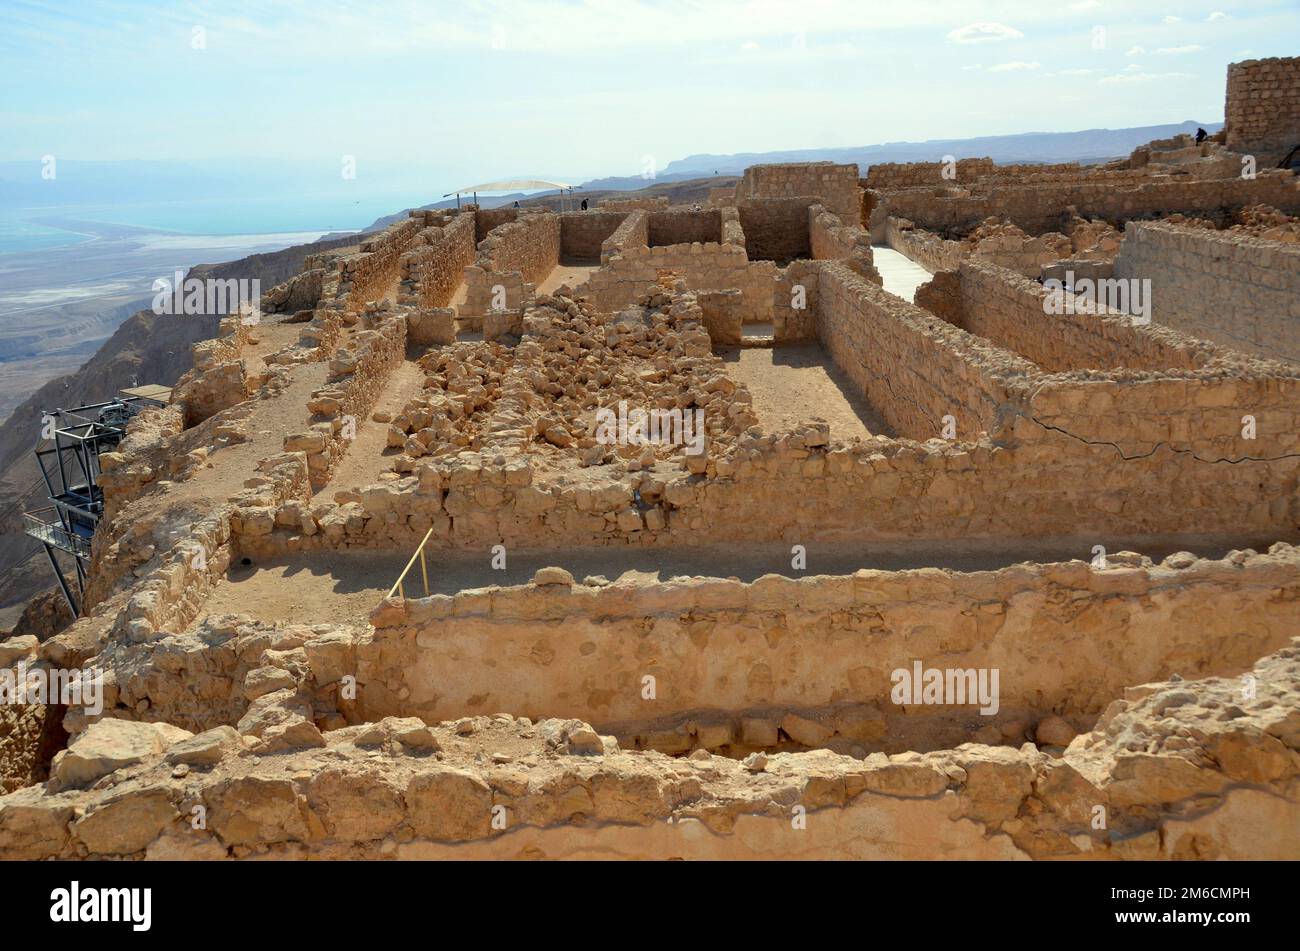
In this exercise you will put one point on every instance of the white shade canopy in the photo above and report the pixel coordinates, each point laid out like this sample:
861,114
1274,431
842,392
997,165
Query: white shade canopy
512,185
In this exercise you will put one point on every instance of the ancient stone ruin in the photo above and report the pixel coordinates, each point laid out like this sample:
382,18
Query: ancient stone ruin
945,512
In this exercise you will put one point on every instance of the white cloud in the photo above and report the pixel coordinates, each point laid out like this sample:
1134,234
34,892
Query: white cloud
1179,50
1217,15
984,32
1013,66
1120,78
1173,19
1135,51
1074,72
749,46
1085,5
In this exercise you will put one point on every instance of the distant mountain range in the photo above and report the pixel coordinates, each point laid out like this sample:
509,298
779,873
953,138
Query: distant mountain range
1090,145
1047,148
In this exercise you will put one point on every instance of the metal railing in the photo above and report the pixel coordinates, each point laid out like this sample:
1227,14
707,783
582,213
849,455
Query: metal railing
46,527
424,570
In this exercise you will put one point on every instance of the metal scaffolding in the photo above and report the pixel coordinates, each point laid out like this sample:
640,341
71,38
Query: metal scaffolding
68,452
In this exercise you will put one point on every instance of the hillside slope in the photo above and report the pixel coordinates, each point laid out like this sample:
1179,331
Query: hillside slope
145,348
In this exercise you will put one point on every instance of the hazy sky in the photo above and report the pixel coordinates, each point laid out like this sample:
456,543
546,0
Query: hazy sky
477,90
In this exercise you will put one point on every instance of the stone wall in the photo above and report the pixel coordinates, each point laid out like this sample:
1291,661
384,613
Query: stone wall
515,256
1262,113
1013,312
529,245
1199,785
1160,388
830,239
1041,208
794,303
835,185
628,275
683,226
724,315
1238,290
488,219
368,274
913,367
926,248
435,266
358,372
218,379
634,232
583,233
658,203
776,229
888,176
736,658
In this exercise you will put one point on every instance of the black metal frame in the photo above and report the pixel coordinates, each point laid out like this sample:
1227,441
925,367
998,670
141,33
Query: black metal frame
69,464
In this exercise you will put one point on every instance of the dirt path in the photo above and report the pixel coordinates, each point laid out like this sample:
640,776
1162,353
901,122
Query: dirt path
365,458
270,421
272,336
901,275
793,384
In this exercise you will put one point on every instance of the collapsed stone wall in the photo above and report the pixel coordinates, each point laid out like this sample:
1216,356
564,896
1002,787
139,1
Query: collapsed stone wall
1042,208
435,266
836,186
217,380
584,233
1238,290
358,372
1183,769
1262,110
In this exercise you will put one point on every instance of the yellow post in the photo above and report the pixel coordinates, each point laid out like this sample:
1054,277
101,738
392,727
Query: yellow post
419,553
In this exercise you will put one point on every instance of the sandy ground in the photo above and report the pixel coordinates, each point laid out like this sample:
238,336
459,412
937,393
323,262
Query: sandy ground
343,587
368,454
902,276
271,420
572,274
793,384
